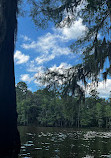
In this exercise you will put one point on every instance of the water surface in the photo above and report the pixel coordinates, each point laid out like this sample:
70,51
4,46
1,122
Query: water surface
41,142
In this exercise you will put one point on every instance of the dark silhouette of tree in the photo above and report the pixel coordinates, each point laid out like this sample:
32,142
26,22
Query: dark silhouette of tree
9,136
95,45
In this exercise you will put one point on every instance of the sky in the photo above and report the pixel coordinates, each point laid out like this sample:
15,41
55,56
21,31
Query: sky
37,49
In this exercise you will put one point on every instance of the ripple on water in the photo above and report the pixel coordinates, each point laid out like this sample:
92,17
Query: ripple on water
46,149
28,145
93,134
88,156
63,143
30,134
26,156
108,156
23,147
89,135
38,148
49,134
30,141
47,143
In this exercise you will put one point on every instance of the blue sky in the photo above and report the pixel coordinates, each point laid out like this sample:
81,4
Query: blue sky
40,49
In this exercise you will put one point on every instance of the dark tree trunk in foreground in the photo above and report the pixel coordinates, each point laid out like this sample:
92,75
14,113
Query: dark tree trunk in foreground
9,136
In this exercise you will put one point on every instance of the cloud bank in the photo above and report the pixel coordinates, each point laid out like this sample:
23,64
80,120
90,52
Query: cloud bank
20,58
55,44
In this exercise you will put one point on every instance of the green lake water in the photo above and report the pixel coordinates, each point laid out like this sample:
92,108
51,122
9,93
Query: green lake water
44,142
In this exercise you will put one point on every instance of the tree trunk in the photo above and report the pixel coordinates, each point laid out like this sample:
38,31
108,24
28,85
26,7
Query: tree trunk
9,136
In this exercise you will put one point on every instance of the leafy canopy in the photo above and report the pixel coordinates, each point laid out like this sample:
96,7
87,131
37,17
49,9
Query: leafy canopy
95,45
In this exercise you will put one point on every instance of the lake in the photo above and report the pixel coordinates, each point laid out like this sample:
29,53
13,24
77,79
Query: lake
45,142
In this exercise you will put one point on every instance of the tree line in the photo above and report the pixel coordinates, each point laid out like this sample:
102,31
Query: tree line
50,108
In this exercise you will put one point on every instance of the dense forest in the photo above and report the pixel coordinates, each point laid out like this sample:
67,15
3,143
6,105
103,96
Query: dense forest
49,108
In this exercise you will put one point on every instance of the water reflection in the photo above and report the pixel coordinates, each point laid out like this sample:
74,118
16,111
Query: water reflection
64,143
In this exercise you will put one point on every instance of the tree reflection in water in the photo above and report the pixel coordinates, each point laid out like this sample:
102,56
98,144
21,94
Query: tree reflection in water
64,142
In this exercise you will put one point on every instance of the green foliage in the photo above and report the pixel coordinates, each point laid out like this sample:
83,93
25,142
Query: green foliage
46,107
49,107
43,11
95,45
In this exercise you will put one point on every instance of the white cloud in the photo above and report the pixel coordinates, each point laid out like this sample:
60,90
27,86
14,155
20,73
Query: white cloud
30,89
31,45
41,74
74,32
33,68
26,78
44,58
49,48
60,68
82,5
46,42
52,45
104,88
25,38
37,77
38,83
20,58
